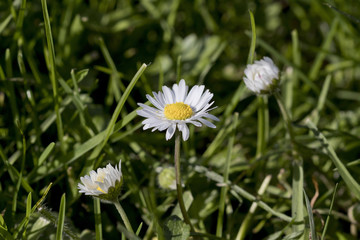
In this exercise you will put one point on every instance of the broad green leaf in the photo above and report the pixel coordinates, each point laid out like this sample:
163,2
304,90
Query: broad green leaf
176,229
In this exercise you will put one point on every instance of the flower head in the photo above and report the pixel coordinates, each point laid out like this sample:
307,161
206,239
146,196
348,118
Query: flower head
175,108
104,184
166,178
262,76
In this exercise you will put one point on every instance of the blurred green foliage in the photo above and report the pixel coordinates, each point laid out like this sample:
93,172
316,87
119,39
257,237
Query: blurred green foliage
98,47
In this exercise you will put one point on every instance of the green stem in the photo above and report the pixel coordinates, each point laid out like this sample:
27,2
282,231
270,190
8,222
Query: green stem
178,180
297,207
123,216
98,225
262,126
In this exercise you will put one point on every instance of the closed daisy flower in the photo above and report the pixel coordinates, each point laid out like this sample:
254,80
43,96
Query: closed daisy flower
105,183
262,76
175,108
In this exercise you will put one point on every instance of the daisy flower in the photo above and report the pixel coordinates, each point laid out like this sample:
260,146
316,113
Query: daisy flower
176,107
262,76
105,183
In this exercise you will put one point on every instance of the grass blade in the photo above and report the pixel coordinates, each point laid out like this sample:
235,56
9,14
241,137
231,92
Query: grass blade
275,53
20,18
249,216
322,99
330,209
311,217
344,173
238,95
110,128
28,213
14,203
129,235
46,153
114,77
11,94
218,178
4,23
250,59
220,220
289,85
51,60
349,16
314,71
5,234
61,219
33,209
139,229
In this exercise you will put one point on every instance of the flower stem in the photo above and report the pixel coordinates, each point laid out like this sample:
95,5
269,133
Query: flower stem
98,225
263,123
178,180
297,207
123,216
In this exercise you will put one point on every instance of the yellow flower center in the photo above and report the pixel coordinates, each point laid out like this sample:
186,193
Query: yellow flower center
100,178
178,111
99,189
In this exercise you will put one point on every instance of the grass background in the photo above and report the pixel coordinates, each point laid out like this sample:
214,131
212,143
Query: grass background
59,98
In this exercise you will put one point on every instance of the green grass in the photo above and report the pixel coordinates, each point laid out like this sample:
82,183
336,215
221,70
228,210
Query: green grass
72,73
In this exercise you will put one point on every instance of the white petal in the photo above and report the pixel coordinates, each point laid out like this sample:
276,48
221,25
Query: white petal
103,178
185,131
154,102
206,108
165,125
195,97
168,95
170,131
206,122
207,115
197,124
180,91
259,77
160,98
205,98
191,94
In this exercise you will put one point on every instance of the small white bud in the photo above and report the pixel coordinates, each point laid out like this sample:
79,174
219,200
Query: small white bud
262,76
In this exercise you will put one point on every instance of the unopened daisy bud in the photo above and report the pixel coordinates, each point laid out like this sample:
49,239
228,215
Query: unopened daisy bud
105,183
262,77
166,178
